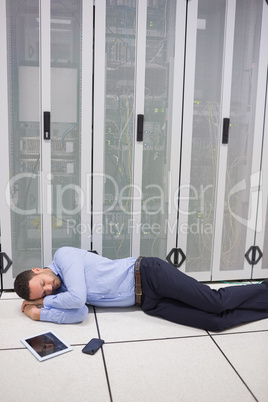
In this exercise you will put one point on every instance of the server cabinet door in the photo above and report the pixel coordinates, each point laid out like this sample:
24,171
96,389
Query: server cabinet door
222,140
235,235
115,69
23,150
207,61
163,92
49,128
136,182
68,151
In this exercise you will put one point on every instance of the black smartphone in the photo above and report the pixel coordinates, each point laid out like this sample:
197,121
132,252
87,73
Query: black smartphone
92,346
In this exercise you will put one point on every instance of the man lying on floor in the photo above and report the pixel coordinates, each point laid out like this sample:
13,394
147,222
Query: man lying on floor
77,277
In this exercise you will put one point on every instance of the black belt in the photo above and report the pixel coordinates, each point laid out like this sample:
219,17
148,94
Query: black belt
138,289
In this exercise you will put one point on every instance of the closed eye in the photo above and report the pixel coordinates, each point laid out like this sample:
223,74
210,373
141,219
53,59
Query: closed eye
44,293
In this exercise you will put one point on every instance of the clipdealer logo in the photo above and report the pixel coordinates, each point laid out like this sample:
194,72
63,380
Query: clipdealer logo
121,201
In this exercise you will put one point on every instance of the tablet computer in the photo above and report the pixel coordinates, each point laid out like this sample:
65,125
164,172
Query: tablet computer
46,345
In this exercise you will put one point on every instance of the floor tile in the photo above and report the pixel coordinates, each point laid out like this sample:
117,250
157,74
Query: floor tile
73,376
10,295
248,353
188,369
123,324
16,325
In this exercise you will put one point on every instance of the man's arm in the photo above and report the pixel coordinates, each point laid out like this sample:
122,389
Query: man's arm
61,316
71,263
58,316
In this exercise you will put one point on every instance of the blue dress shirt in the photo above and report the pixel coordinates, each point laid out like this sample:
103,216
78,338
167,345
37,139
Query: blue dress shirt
87,278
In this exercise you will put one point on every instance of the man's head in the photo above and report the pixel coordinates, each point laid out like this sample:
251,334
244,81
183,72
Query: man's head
36,283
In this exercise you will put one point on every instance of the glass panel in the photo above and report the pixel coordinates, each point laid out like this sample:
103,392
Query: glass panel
157,131
243,101
205,135
119,97
24,132
65,121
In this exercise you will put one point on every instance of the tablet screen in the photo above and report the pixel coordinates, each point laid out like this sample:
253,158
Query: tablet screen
46,345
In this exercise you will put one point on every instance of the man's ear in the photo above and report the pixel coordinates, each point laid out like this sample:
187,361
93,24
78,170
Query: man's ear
36,270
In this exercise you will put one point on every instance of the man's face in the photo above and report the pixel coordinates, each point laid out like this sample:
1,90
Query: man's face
44,283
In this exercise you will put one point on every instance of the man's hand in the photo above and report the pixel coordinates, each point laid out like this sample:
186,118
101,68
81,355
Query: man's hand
37,302
32,311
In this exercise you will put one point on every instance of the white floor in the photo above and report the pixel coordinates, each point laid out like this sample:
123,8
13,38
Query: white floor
143,359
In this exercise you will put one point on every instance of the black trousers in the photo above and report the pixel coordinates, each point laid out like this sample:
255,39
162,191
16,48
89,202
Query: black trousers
174,296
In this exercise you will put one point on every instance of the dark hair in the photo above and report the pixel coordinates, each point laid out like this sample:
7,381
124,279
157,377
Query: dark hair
21,284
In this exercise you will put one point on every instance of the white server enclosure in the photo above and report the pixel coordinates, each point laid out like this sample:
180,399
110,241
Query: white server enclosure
135,127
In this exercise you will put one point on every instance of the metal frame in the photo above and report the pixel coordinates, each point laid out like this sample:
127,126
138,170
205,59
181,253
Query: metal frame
99,125
259,271
4,182
223,151
188,102
176,123
45,91
86,121
260,147
139,109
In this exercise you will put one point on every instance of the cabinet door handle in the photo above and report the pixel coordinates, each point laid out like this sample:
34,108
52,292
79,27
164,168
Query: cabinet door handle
4,256
225,130
176,252
140,120
46,125
252,260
